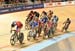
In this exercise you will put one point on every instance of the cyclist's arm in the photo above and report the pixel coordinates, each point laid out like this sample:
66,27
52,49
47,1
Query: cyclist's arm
64,22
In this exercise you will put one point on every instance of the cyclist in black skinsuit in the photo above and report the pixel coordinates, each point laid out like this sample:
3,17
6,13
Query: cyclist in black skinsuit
66,24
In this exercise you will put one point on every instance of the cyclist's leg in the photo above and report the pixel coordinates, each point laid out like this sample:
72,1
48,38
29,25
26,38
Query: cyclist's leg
63,28
49,32
18,31
52,31
34,32
39,31
66,27
56,26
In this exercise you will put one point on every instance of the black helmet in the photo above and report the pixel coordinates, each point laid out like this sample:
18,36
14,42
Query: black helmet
31,12
68,19
50,11
44,13
55,16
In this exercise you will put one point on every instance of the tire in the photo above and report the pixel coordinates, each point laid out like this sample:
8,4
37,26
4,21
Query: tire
39,32
44,36
29,36
53,30
34,36
21,38
12,40
49,34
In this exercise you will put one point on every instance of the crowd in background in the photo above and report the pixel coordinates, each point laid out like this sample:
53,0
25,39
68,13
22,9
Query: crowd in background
10,3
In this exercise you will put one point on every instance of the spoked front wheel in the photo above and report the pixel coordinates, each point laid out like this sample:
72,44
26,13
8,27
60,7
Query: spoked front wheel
29,36
12,40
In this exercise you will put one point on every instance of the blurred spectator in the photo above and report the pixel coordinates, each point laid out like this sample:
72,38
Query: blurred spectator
11,3
7,2
22,1
33,1
42,1
1,1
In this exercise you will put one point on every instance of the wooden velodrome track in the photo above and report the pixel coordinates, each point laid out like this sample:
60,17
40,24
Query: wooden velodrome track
6,19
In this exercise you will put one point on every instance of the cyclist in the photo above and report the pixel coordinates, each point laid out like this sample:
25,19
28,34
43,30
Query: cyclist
66,24
39,27
44,19
55,21
30,16
34,25
50,14
16,24
52,27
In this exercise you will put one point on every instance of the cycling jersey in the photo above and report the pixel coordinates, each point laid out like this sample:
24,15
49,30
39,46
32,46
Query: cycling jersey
33,24
44,20
49,24
55,19
18,25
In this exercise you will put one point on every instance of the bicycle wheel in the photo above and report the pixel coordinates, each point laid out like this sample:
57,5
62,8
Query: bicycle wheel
12,39
21,38
45,35
29,36
53,30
